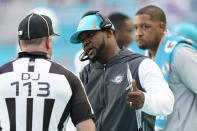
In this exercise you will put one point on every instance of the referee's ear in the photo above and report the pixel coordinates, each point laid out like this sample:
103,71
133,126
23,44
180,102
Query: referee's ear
47,43
19,43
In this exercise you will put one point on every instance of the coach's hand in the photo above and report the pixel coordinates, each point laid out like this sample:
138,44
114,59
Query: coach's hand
135,98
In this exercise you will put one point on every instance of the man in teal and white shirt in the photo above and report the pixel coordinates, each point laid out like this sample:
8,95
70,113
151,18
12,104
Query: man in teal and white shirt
177,59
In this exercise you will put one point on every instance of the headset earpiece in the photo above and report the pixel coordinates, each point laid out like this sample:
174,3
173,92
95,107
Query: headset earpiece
106,23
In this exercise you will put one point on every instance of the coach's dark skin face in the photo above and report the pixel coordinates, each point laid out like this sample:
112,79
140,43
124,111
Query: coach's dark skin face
99,45
148,33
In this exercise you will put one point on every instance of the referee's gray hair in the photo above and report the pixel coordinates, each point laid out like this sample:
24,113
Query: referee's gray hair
36,42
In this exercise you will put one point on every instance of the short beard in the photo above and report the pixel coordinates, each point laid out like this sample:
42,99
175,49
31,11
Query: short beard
121,44
143,47
98,53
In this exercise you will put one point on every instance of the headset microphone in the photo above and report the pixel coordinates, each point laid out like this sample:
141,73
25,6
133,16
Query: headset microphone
84,56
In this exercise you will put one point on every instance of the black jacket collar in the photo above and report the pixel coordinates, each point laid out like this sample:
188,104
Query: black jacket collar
33,55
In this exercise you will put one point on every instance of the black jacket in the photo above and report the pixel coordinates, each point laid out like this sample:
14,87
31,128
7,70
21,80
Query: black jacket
105,86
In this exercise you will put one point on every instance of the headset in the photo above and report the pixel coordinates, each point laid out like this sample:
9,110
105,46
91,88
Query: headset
105,24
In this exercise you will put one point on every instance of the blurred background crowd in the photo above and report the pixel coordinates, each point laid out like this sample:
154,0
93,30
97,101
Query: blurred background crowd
65,15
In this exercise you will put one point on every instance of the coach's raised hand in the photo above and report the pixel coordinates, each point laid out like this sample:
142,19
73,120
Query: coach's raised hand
136,97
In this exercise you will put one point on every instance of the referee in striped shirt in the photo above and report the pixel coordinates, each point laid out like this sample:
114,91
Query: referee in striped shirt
38,94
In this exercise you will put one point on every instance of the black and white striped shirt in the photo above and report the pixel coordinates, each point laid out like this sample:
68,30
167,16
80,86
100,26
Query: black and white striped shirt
37,94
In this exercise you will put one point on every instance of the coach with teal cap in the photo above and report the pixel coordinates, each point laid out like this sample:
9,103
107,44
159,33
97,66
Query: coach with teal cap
92,21
107,79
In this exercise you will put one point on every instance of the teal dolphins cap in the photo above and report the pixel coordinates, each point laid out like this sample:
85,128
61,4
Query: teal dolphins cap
90,22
